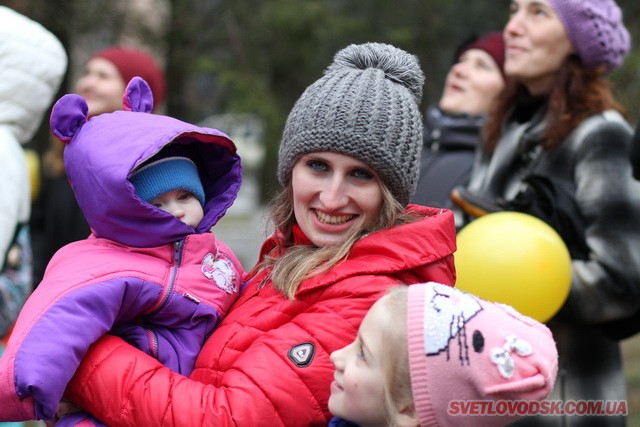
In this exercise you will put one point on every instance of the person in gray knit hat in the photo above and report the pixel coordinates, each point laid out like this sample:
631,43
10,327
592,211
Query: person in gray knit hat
344,235
365,106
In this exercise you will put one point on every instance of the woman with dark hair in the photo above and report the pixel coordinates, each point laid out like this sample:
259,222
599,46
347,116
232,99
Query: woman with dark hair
558,119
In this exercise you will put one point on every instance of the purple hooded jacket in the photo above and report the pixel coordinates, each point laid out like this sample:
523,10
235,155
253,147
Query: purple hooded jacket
142,274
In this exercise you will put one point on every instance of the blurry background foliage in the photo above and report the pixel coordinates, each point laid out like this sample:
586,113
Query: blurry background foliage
257,56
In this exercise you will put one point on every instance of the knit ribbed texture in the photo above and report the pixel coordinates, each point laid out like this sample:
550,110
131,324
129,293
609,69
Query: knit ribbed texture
596,30
134,62
366,106
168,174
493,44
462,348
417,365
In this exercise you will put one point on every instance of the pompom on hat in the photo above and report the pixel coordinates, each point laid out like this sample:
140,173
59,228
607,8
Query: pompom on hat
134,62
366,106
596,30
170,169
462,349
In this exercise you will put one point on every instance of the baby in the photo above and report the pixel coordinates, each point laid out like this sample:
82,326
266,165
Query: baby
170,181
151,187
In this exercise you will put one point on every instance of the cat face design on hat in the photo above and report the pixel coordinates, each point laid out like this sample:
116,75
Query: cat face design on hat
448,312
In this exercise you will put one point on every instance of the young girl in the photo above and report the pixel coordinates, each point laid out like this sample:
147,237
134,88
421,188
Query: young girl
438,350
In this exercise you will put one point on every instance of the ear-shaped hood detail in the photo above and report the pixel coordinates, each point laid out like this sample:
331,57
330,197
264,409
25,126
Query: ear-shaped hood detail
102,153
137,96
67,116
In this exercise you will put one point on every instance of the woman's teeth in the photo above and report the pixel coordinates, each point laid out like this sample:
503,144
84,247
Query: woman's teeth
335,220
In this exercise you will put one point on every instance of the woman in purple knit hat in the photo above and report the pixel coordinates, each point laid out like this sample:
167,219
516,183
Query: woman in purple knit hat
558,121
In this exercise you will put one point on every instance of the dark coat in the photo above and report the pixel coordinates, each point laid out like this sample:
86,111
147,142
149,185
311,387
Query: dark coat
635,154
592,164
447,155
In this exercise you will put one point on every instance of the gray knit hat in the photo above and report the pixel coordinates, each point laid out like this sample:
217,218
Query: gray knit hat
366,106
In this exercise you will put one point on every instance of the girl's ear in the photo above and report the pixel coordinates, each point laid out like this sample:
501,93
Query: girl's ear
407,417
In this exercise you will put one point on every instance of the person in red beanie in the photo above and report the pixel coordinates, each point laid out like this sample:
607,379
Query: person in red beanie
56,219
107,73
453,125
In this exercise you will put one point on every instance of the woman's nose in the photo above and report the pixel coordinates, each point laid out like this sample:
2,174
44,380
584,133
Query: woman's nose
459,68
514,24
334,194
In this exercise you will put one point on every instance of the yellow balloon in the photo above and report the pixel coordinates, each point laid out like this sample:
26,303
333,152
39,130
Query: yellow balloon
516,259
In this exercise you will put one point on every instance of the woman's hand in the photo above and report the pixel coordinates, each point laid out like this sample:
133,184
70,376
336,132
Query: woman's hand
64,408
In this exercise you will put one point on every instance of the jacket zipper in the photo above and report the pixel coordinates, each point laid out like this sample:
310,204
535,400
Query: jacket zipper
177,260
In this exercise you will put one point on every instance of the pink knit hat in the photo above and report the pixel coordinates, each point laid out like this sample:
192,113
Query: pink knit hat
463,349
133,62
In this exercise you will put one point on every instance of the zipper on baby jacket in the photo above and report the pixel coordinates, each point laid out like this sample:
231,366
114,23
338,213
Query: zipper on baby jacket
177,260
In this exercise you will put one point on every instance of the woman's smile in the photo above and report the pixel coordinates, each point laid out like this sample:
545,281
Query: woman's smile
332,194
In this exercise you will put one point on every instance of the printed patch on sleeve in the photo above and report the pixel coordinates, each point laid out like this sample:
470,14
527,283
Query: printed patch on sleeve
302,354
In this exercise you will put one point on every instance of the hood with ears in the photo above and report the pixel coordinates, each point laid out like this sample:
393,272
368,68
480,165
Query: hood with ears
102,153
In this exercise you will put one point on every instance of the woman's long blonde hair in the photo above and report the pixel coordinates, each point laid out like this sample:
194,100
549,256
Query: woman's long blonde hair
302,261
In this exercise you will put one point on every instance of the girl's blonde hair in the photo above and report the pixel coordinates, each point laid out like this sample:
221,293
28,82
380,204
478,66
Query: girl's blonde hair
397,378
300,262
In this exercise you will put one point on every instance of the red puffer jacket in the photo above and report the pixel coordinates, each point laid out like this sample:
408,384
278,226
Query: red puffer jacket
268,362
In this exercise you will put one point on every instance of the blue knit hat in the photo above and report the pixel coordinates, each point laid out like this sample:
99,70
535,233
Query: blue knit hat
167,173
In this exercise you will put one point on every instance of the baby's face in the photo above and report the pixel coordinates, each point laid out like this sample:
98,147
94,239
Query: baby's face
182,204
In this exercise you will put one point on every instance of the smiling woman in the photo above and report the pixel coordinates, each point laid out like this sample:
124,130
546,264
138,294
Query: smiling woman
334,193
345,233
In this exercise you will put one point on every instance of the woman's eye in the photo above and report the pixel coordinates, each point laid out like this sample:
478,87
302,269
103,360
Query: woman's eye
539,12
362,174
485,66
317,165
